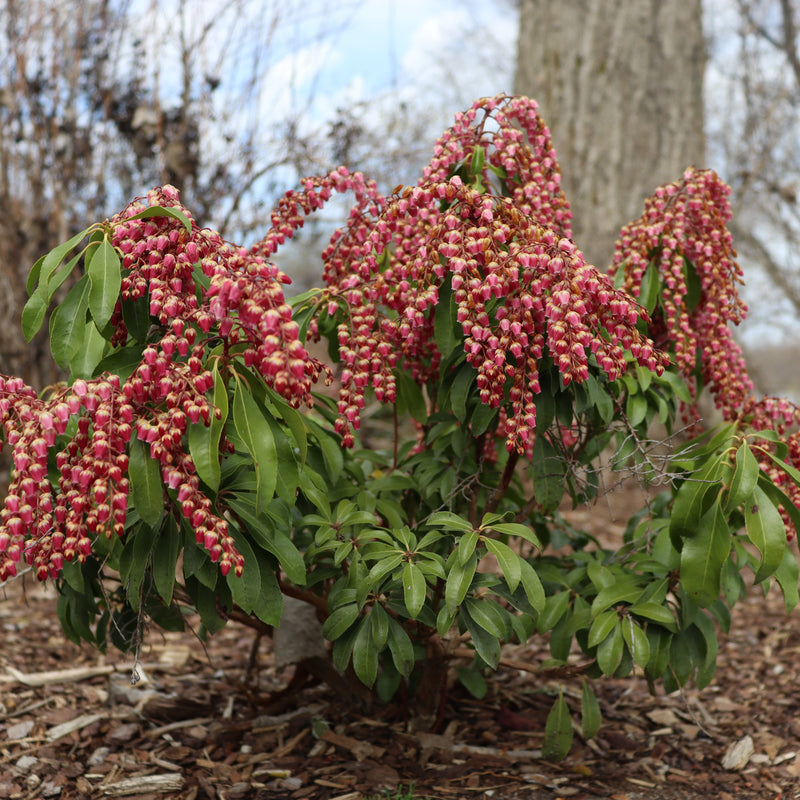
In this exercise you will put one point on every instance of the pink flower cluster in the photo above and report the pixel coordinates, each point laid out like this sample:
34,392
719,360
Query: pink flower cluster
44,526
245,303
687,220
385,271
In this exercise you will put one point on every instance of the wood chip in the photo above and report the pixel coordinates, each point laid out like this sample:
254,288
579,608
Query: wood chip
359,749
738,754
57,676
146,783
59,731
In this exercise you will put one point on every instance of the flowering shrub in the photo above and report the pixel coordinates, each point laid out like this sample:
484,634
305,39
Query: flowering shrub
188,463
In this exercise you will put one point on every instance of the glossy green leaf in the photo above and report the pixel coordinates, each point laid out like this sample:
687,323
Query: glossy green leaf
414,589
204,440
624,590
532,586
85,360
459,579
379,625
766,530
365,655
68,323
165,560
473,682
655,612
487,614
788,575
557,732
486,645
460,390
555,607
517,529
400,647
165,211
689,505
147,489
636,640
744,479
703,556
507,560
105,279
449,521
339,621
246,588
446,329
547,472
591,718
466,546
609,651
256,433
601,627
35,309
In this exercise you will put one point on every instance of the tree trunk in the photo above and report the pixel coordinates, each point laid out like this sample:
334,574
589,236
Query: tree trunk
619,82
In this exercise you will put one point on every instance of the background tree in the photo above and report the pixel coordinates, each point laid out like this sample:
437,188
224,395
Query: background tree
622,90
92,113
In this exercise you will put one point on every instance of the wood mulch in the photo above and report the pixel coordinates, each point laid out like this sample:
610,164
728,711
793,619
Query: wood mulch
72,725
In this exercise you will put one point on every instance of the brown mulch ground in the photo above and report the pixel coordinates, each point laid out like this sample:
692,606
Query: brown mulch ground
194,728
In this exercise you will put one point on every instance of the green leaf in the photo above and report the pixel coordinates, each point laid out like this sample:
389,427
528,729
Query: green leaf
787,575
508,561
766,530
204,440
446,330
458,582
35,309
410,397
379,625
246,588
459,390
486,645
624,590
147,490
703,556
400,647
591,718
339,621
68,323
466,547
256,433
609,652
655,612
487,614
636,409
165,211
414,589
105,281
601,627
649,288
516,529
84,363
165,560
473,682
554,608
557,732
636,639
33,276
365,655
745,477
449,521
688,506
547,471
136,316
294,421
532,586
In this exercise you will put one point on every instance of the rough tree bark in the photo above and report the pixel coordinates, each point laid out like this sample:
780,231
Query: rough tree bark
620,83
